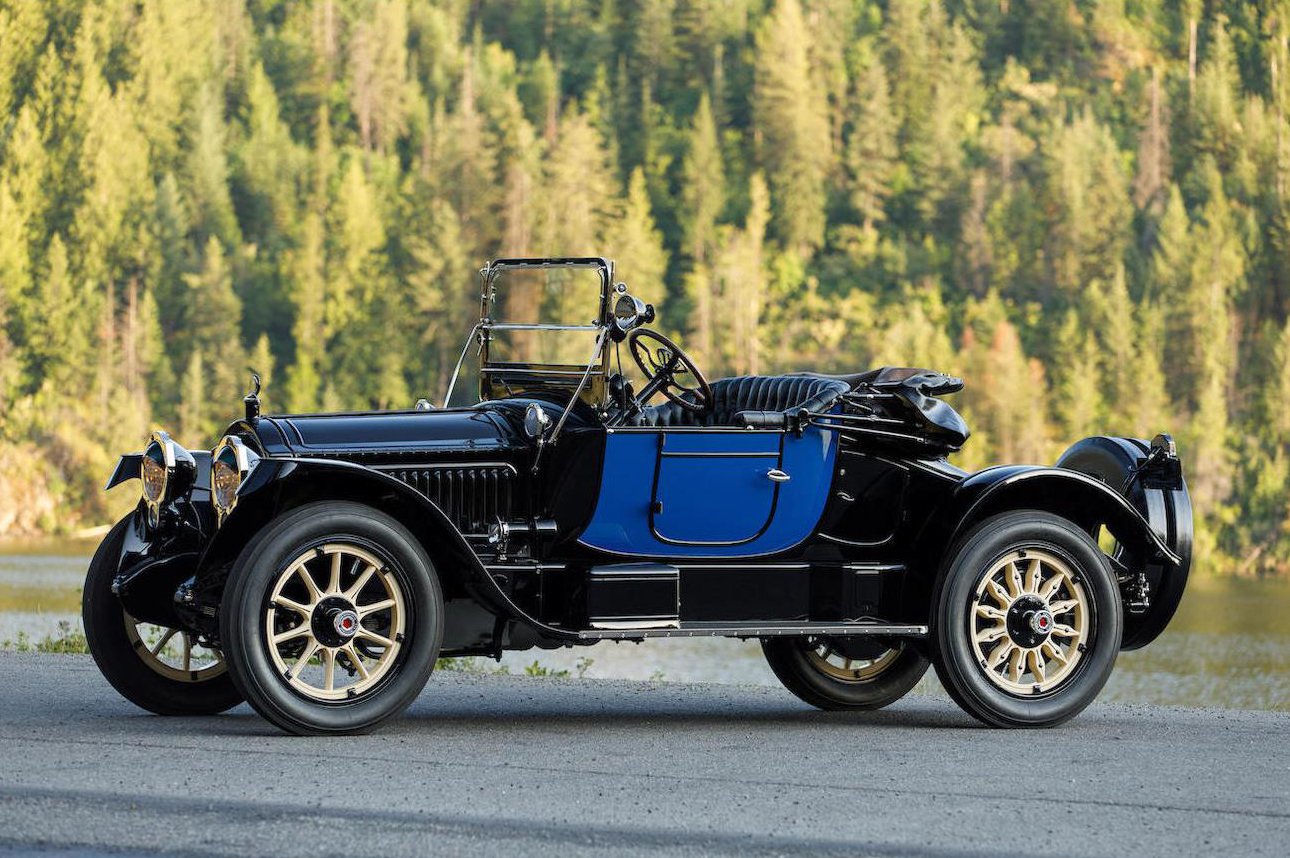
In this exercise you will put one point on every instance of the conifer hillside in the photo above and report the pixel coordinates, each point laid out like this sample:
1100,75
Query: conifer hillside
1081,207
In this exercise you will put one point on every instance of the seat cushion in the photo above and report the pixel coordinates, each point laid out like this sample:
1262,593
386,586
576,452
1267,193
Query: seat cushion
750,393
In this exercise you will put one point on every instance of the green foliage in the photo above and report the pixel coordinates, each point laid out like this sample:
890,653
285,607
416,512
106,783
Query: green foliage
67,640
1080,207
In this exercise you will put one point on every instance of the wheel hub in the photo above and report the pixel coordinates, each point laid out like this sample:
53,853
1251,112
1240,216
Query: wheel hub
334,621
1029,621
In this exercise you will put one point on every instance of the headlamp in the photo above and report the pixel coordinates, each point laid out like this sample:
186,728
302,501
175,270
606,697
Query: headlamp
230,465
166,470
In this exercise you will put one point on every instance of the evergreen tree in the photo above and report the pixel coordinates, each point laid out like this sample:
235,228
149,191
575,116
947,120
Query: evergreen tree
871,146
703,192
214,328
635,245
792,128
1077,382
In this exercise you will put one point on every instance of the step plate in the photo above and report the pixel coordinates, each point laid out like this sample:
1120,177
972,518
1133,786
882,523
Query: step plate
633,596
755,630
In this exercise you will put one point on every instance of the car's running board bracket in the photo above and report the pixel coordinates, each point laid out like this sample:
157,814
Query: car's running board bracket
757,630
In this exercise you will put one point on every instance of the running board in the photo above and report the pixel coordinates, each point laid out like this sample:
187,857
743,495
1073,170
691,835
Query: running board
756,630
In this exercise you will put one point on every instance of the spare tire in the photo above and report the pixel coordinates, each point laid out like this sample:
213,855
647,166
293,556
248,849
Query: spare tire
1164,503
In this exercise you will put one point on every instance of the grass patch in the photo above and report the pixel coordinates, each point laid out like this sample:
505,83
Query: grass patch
66,640
483,666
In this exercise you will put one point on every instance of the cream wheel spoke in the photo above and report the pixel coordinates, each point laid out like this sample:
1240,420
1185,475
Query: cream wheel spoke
1052,585
355,661
329,668
310,584
1034,571
838,666
303,661
1012,577
1020,658
364,610
291,634
333,583
181,663
161,644
1053,652
292,605
368,634
990,612
992,634
1015,664
352,592
1036,662
1001,652
1000,595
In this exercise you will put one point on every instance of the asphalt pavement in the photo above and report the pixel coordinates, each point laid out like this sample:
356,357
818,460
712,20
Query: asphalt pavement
500,765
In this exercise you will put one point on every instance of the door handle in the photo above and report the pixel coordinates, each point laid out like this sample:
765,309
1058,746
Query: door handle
777,476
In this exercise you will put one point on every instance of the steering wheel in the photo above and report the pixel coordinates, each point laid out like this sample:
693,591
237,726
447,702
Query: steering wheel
662,362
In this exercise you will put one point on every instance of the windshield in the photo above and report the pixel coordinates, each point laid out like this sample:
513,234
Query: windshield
562,303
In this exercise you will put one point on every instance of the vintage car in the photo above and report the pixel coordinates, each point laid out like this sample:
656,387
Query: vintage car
318,565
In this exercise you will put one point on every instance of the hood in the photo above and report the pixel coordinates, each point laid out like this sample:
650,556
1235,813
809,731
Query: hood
387,433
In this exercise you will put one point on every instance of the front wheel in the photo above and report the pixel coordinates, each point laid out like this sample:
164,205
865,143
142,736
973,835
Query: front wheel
164,670
845,673
1026,621
332,619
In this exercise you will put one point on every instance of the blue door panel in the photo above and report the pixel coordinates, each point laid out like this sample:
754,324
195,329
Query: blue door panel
621,523
713,498
721,441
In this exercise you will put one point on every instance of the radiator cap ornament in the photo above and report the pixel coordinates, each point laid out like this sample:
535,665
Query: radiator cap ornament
252,399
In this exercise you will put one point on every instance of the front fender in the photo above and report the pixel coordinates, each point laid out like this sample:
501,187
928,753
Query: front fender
279,484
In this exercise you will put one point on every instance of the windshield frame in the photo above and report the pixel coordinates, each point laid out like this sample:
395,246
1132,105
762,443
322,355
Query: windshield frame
501,379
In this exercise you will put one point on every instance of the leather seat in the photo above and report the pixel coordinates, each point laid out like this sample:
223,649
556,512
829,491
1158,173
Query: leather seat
773,393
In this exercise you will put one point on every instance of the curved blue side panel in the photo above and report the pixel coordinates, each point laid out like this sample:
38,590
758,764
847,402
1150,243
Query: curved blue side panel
722,501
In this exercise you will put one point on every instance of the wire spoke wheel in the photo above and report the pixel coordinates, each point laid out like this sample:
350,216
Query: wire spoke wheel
335,622
830,660
1029,623
174,653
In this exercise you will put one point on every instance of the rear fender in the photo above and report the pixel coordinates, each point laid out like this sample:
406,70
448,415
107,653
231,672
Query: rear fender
1077,497
278,485
1081,499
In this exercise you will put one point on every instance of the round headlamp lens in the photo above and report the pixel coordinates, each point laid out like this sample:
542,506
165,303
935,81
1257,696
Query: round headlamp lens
154,474
231,464
225,481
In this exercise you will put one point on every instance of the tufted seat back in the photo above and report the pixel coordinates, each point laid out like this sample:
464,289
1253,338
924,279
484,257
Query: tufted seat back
750,393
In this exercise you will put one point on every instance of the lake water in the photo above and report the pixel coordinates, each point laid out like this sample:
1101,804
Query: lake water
1229,646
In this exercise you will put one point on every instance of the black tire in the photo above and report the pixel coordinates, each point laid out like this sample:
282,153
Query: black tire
122,663
955,602
791,661
246,600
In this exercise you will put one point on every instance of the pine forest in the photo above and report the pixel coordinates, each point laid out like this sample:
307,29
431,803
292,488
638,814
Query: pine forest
1083,208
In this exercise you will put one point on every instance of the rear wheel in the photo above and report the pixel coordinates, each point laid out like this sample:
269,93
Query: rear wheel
1026,622
164,670
845,673
332,619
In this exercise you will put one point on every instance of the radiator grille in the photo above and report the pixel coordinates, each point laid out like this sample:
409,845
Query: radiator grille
473,498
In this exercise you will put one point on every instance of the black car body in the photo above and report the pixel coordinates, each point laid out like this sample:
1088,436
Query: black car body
816,513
